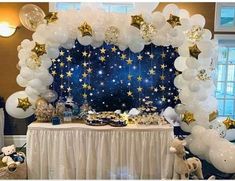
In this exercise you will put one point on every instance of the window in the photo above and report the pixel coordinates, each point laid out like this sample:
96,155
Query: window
108,7
225,17
225,85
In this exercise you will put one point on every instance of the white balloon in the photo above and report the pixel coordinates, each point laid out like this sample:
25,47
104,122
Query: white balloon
183,13
180,108
12,103
158,19
179,82
53,52
86,40
180,63
198,19
189,74
35,83
194,86
219,127
136,46
192,63
26,73
31,92
21,81
170,9
207,34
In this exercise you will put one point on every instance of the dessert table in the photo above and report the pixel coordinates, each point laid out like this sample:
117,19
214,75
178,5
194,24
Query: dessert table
79,151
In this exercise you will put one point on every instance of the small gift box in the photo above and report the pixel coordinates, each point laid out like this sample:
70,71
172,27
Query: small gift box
55,120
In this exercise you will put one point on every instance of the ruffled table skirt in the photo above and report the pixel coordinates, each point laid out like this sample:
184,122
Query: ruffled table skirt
78,151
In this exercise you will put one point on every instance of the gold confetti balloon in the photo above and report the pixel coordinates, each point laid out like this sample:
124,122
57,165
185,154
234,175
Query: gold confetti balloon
137,20
195,34
51,17
147,31
85,29
111,35
24,103
202,75
39,49
41,102
33,62
174,21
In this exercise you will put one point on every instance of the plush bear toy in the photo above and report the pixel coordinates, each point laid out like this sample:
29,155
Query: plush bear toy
11,157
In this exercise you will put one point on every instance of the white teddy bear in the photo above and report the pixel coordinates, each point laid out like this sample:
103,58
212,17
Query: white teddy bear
11,157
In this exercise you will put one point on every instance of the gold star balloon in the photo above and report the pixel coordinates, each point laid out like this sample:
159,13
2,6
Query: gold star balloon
85,29
229,123
194,51
24,103
174,21
39,49
213,115
137,20
188,117
51,17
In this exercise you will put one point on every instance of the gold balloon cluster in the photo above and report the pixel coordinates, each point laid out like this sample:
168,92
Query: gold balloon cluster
33,62
24,103
111,35
147,31
202,75
213,115
194,51
39,49
174,20
51,17
85,29
137,20
188,117
229,123
195,34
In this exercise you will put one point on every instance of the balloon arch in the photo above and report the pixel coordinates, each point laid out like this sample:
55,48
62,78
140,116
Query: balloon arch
173,26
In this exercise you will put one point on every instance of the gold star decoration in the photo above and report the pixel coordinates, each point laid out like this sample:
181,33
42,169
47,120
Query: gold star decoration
84,95
139,89
61,86
213,115
89,87
194,51
102,59
51,17
176,98
84,54
53,60
84,64
89,70
174,20
69,89
163,98
123,56
163,55
139,78
85,29
61,76
39,49
229,123
137,20
129,76
61,64
162,87
84,74
24,103
61,53
151,71
114,49
84,86
163,66
102,50
129,61
53,73
140,57
151,56
129,93
69,74
188,117
69,58
162,77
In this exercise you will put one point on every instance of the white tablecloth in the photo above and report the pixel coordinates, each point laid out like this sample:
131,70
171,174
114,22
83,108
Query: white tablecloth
78,151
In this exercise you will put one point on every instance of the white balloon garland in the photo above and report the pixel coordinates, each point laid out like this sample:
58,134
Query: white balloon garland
173,27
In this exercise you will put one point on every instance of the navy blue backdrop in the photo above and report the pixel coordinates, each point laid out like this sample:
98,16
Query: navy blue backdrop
111,79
